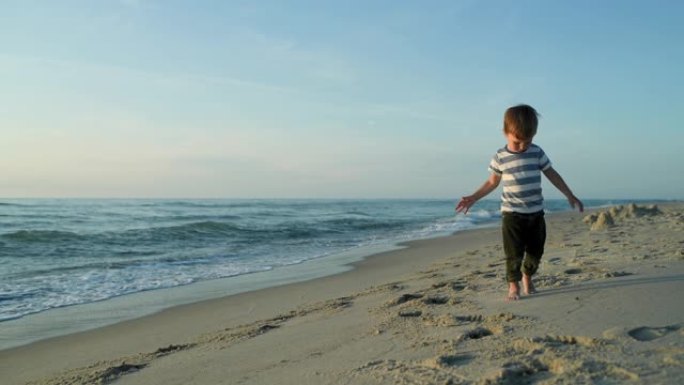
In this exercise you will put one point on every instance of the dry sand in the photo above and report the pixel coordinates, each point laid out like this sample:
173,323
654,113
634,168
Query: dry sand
608,311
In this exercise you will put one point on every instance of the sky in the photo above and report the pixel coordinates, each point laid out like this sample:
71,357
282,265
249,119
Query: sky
334,99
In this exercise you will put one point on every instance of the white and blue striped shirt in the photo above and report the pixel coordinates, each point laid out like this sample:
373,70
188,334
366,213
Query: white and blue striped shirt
521,178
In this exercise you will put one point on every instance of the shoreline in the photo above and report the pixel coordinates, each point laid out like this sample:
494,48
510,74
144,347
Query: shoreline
168,323
375,278
72,319
77,318
59,322
98,313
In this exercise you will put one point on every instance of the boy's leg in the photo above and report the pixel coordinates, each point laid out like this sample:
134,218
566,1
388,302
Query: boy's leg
514,247
536,238
528,286
513,291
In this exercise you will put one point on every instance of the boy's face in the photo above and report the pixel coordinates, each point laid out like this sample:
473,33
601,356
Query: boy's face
517,144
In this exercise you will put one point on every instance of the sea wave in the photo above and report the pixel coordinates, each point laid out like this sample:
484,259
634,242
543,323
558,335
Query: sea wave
42,236
364,223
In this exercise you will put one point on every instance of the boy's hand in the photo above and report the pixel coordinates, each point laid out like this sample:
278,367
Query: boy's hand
574,202
465,203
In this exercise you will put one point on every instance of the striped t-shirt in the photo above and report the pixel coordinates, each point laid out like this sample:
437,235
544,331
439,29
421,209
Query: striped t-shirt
521,178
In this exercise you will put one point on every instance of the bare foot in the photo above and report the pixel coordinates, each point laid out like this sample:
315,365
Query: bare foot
528,286
513,291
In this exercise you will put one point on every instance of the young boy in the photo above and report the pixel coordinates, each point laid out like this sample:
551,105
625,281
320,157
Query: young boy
520,164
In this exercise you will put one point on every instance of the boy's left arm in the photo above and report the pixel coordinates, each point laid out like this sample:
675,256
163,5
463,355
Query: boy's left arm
560,184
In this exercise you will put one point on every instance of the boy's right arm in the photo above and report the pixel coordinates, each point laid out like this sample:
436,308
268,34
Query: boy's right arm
488,186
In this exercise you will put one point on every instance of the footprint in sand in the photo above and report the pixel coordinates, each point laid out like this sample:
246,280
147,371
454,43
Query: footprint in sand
458,287
615,274
572,271
408,313
406,298
568,340
436,300
477,333
446,361
646,333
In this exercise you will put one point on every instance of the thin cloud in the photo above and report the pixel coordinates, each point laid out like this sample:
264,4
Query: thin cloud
108,70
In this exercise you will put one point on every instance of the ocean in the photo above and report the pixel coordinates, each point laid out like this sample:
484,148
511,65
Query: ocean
57,253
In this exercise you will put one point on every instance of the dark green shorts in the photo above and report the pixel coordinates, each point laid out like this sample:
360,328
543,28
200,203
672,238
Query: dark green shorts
524,236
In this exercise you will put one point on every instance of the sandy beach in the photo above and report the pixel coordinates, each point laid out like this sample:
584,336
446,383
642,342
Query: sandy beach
608,311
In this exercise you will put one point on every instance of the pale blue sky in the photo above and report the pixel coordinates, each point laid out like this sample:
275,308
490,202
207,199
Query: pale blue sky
324,99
